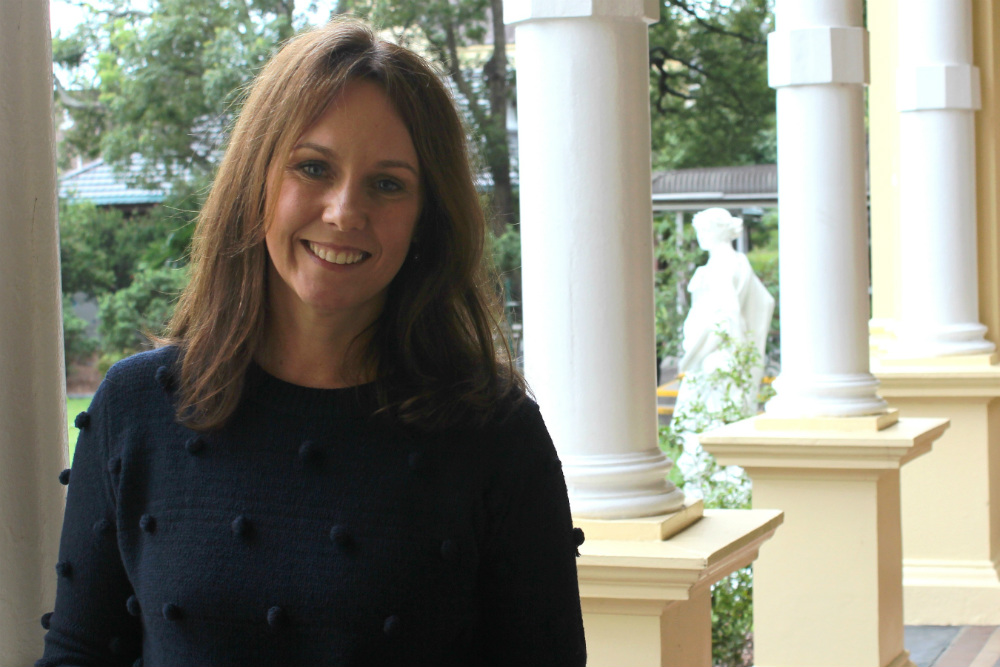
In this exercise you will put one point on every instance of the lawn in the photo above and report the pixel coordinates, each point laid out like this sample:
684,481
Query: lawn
74,406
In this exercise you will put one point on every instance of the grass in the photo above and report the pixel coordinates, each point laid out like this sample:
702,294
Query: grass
74,406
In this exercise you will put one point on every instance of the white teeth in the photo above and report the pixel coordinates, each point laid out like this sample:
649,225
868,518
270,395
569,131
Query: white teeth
342,257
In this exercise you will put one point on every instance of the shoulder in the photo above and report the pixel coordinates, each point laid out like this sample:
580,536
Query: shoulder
149,368
519,411
141,383
518,435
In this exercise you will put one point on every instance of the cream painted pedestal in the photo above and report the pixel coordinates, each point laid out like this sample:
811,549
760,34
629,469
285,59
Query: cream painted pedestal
951,537
828,588
647,603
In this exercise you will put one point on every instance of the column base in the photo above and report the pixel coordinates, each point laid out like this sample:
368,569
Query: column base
949,592
621,486
834,395
955,341
765,422
647,603
655,528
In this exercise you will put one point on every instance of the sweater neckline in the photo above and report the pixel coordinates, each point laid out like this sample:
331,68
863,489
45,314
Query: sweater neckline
264,388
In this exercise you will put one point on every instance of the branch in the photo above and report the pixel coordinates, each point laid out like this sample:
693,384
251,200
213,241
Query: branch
448,53
72,102
683,6
658,63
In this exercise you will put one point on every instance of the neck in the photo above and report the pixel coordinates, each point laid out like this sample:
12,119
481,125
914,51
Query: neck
314,350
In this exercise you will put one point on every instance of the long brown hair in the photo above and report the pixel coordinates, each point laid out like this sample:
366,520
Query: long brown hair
439,357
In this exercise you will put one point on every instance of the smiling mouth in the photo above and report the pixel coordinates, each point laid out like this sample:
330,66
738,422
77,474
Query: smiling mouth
338,256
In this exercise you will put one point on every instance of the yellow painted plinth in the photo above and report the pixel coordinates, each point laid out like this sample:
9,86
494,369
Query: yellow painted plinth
828,587
877,422
657,528
951,497
647,603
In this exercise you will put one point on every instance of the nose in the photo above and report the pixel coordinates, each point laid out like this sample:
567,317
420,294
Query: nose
344,207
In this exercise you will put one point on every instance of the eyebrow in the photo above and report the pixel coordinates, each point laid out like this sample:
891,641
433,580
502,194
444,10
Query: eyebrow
401,164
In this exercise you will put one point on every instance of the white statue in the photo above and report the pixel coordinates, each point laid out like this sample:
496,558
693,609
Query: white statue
726,295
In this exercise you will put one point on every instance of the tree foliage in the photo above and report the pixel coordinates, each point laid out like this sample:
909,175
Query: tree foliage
160,79
710,102
77,345
677,255
132,264
142,308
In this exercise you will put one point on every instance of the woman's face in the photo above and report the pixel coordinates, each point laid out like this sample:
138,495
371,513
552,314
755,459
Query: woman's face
346,209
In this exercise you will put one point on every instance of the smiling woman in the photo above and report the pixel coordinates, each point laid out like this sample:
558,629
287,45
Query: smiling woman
330,459
343,222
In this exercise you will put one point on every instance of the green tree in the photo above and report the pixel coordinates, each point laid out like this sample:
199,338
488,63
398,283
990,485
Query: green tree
444,29
160,79
710,102
77,346
100,247
142,308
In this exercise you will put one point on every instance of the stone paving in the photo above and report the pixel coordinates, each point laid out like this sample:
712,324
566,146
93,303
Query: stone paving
953,646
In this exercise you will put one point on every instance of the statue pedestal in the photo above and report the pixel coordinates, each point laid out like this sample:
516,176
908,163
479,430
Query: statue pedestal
951,549
647,603
828,589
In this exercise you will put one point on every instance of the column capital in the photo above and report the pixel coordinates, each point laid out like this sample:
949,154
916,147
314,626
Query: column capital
519,11
817,55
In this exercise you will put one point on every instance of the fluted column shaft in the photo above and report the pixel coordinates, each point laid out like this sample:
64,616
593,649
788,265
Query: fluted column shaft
818,62
587,247
937,94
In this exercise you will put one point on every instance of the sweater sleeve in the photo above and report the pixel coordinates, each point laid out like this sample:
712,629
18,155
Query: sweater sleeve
531,599
91,625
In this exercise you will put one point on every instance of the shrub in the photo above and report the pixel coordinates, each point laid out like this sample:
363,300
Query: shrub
724,488
143,307
77,345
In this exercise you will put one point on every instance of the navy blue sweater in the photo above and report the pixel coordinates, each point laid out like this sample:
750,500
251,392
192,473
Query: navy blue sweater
310,532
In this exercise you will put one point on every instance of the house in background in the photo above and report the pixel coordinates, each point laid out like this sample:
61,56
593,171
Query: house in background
102,184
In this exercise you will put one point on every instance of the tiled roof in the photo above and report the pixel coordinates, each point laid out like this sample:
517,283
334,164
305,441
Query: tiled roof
99,183
750,179
724,186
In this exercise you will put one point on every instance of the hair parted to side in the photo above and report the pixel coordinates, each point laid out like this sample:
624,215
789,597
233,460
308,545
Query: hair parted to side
438,355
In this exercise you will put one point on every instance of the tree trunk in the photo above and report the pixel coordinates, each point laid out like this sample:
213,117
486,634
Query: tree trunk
498,152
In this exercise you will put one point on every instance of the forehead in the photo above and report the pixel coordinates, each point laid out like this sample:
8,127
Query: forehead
361,116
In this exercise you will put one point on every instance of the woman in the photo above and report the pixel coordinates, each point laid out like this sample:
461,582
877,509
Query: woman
325,463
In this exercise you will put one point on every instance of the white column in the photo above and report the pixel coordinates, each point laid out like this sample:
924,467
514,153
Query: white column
587,247
937,95
818,62
32,384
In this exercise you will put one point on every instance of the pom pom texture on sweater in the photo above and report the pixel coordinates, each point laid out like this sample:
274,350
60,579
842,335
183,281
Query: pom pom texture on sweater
310,531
